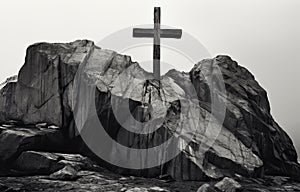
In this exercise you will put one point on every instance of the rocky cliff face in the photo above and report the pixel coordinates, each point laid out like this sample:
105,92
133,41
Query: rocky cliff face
250,142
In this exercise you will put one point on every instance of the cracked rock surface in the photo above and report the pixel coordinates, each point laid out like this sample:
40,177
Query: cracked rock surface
248,142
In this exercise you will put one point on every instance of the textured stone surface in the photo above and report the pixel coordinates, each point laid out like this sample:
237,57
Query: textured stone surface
15,140
103,180
119,79
39,95
206,188
67,173
228,185
39,163
250,142
248,117
61,166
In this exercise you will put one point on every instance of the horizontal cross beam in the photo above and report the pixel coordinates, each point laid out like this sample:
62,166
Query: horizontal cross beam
164,33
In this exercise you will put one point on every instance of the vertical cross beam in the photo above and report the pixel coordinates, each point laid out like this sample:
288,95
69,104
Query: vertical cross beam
156,47
157,33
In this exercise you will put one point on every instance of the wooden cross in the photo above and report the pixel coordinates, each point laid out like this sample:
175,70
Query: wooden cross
157,33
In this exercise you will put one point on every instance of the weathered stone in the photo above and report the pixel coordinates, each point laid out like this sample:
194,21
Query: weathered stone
228,185
33,162
158,189
206,188
41,125
117,79
137,189
248,117
250,141
76,161
39,93
13,141
67,173
91,181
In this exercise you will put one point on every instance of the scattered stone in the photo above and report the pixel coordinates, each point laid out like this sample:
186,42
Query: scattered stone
53,127
165,177
228,185
137,189
91,181
157,189
67,173
76,161
7,125
206,188
280,180
41,125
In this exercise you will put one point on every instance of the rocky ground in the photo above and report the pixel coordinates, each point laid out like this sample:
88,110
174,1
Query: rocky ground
31,168
104,180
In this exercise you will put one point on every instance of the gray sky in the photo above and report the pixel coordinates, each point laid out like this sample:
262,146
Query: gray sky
263,36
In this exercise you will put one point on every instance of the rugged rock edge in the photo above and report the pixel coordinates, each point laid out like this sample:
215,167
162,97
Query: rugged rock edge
44,88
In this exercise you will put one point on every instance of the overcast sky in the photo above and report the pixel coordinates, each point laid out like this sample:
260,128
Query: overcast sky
263,36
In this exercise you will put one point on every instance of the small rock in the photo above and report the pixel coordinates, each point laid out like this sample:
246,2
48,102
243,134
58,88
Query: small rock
123,179
137,189
157,189
41,125
165,177
76,161
238,175
206,188
280,180
13,122
53,127
228,185
7,125
68,173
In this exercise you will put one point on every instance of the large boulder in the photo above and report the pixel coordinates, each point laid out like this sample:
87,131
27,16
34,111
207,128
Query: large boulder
248,117
112,88
15,140
39,95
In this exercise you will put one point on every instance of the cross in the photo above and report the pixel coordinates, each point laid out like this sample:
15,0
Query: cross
157,33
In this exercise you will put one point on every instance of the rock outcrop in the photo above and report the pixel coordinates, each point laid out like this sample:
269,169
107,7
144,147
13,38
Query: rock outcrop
249,142
39,95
